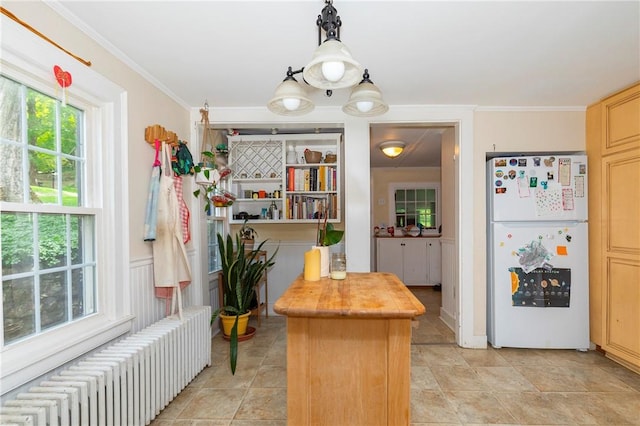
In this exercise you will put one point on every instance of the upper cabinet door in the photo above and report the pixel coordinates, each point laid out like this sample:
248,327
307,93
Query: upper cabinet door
620,123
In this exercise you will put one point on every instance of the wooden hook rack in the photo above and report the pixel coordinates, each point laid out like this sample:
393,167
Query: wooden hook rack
157,132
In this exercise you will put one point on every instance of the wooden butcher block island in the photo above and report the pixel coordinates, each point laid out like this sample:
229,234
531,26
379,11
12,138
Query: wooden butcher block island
349,350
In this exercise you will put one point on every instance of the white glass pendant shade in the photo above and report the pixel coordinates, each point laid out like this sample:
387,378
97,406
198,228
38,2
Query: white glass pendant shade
290,99
325,58
392,148
365,101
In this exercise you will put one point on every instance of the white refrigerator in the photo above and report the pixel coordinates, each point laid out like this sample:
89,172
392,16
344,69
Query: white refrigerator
537,252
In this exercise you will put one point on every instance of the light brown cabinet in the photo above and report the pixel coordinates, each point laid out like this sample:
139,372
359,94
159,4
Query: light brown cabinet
613,149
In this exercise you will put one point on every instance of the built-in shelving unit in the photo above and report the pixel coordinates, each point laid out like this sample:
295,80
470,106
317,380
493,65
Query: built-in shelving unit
271,171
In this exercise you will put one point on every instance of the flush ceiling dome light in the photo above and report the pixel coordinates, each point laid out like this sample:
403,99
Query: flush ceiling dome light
392,148
331,67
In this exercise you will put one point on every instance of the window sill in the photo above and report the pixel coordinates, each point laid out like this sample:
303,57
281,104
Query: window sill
27,360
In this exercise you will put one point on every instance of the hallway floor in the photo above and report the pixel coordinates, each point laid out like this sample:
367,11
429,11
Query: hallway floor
449,385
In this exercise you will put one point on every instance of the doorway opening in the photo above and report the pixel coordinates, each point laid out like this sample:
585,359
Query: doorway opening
427,160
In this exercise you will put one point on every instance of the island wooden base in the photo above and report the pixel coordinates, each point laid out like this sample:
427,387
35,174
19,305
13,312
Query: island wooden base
348,371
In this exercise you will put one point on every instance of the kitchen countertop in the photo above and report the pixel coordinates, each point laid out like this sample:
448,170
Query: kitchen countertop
361,294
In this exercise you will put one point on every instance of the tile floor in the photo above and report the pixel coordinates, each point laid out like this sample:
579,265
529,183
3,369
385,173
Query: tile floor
449,385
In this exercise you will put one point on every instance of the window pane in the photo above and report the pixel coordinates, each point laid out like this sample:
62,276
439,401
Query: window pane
42,177
431,195
421,195
16,234
52,235
53,299
70,131
11,178
10,110
70,182
401,207
214,227
400,196
411,194
18,308
82,292
41,114
82,247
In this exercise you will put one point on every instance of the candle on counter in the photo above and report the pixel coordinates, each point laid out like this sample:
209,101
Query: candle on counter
312,265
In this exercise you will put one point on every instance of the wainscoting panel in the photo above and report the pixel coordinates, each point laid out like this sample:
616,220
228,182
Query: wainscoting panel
449,282
146,307
289,264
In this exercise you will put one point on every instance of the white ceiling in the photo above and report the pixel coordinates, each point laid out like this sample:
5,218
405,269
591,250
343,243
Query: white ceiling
489,54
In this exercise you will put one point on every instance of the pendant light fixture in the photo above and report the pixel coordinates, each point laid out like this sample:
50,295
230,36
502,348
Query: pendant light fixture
290,97
366,99
392,148
331,67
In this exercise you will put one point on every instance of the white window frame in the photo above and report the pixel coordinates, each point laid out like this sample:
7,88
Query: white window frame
29,60
415,185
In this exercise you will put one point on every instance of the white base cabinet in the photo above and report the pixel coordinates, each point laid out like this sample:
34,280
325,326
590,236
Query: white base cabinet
416,261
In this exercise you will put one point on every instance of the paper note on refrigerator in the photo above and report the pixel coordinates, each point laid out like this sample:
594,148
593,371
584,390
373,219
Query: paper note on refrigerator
548,202
567,199
579,186
564,171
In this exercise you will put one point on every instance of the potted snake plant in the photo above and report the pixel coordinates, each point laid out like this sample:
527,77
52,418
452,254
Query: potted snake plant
241,272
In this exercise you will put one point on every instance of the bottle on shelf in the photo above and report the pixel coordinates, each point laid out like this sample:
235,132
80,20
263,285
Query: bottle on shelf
273,211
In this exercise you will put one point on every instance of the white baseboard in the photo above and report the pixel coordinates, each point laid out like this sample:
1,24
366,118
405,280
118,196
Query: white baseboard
448,319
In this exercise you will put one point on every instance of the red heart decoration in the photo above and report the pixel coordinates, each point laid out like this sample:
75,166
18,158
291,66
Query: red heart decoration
62,77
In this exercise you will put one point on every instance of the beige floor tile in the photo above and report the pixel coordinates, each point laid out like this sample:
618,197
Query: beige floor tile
588,408
458,378
573,358
522,356
534,408
431,407
555,379
478,407
504,379
209,404
423,378
270,376
430,355
630,378
223,379
264,403
482,357
626,404
178,404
